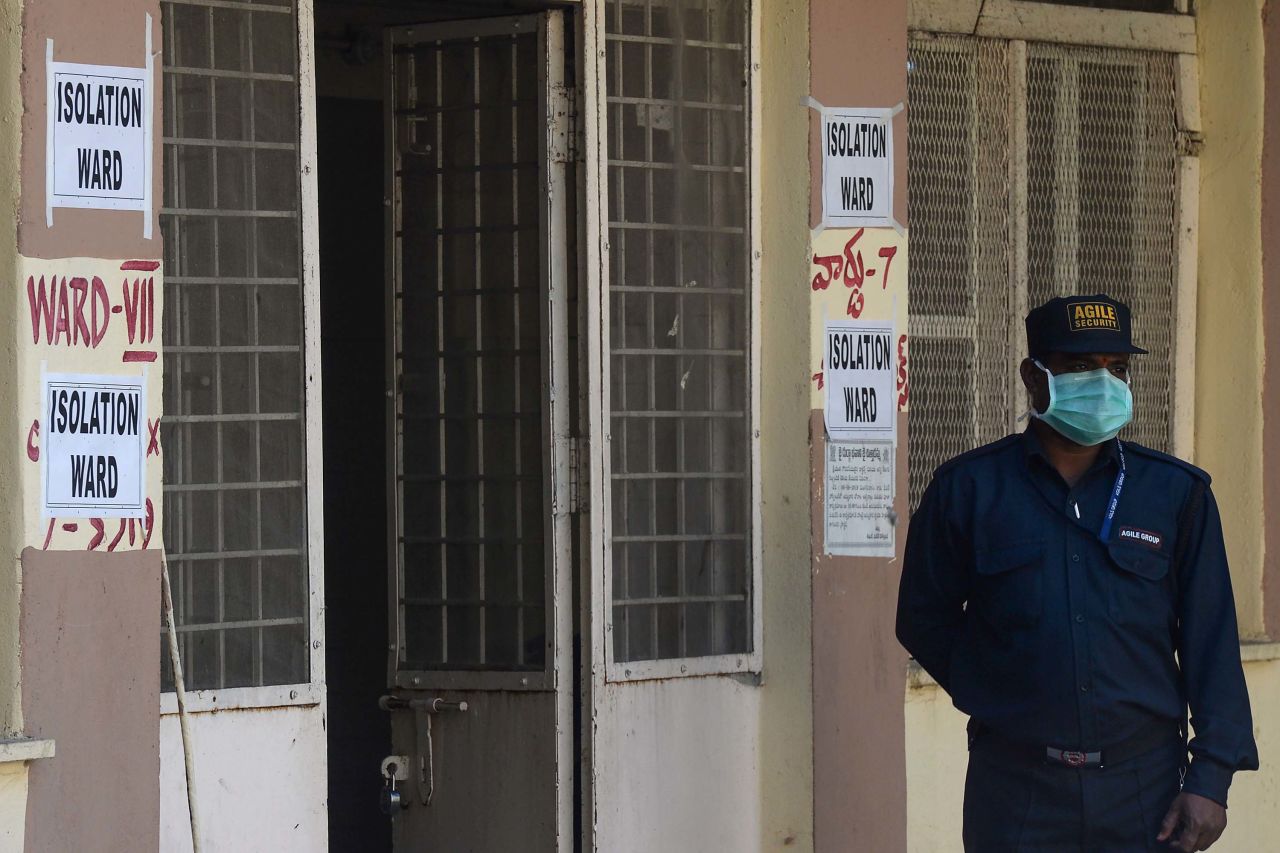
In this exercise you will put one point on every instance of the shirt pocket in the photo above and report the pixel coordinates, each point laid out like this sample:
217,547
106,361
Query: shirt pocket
1138,585
1009,585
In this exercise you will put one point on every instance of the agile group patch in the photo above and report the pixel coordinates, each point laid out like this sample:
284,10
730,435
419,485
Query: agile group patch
1086,316
1137,534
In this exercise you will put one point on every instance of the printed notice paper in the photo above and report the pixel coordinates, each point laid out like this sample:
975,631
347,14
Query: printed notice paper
860,366
858,500
93,454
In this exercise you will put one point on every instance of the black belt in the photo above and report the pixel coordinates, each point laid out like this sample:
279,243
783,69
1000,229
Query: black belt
988,740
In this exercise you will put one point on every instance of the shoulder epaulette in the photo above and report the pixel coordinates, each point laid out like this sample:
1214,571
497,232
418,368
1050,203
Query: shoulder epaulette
1149,453
976,452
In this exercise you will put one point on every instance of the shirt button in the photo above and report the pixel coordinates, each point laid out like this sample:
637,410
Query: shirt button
1079,617
1084,688
1075,558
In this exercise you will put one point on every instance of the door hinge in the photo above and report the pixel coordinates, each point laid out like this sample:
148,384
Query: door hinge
578,467
564,124
1189,143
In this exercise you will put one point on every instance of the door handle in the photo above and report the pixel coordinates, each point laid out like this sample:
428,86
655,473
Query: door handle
423,711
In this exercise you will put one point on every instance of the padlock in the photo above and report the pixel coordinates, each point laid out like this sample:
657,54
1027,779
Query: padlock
390,800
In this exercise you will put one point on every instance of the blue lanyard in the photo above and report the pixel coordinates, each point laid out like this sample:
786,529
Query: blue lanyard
1105,533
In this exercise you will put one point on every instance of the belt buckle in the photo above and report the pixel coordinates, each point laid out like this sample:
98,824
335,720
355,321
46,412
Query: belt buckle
1073,757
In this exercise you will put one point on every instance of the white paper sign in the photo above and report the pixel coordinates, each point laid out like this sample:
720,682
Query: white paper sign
98,136
858,499
857,168
860,371
93,446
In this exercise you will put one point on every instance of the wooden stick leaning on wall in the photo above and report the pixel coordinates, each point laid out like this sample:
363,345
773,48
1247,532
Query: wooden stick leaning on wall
180,688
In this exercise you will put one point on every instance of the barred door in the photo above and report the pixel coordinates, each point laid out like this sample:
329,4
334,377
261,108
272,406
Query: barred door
481,671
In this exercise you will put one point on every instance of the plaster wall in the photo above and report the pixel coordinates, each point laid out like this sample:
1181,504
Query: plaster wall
786,698
56,628
857,59
86,632
937,758
11,455
1271,315
1229,421
679,766
13,805
254,767
1229,336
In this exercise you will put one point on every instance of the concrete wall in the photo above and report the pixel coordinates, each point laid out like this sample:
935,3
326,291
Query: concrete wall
73,632
1229,339
786,706
1270,234
937,758
12,456
261,781
1239,179
13,805
857,59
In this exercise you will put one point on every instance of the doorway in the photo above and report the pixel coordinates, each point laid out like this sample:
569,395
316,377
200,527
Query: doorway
349,137
447,295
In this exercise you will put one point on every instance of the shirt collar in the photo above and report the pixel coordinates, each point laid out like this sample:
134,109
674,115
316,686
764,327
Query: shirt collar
1032,447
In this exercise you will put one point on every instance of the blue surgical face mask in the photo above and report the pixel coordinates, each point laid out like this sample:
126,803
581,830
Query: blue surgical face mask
1088,407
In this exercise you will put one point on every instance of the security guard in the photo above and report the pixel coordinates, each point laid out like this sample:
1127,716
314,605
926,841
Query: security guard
1070,591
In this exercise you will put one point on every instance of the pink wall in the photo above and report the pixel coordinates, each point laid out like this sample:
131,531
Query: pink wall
858,58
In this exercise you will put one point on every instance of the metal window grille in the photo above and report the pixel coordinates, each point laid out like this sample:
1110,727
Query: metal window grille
679,312
467,357
234,463
1100,157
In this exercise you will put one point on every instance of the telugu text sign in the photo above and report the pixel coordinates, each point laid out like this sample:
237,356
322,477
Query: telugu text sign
94,445
858,519
861,369
857,168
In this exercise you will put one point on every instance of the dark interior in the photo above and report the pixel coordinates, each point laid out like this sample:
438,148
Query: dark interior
351,181
351,291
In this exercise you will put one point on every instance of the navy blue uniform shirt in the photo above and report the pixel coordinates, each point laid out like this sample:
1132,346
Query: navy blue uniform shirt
1049,635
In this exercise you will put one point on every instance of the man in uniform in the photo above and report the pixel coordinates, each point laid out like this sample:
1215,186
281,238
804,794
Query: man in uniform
1070,591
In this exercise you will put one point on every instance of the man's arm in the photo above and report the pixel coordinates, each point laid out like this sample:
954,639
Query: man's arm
933,589
1209,656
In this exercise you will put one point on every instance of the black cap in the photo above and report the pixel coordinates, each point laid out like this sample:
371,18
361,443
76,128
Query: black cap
1095,323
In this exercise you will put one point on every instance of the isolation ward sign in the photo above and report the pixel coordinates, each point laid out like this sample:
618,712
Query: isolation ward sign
860,370
93,451
857,168
98,135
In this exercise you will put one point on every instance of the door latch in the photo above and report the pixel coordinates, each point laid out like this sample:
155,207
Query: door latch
423,711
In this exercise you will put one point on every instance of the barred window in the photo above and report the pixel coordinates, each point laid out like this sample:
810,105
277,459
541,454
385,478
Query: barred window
234,464
1098,138
680,317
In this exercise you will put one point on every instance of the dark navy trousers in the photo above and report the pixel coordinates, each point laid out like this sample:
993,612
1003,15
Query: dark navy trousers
1016,807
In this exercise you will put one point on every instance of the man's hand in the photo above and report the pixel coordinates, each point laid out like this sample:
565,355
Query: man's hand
1192,823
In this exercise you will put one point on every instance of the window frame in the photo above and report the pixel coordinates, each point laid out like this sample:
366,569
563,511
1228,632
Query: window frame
312,691
1026,20
1047,23
600,416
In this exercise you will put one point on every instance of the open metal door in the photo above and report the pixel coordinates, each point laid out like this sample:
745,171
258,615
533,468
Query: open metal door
481,671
